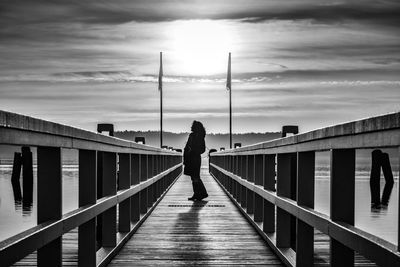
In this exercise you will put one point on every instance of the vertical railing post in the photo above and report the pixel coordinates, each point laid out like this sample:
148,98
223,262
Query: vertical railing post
236,171
143,177
99,221
258,180
305,197
243,194
250,178
283,219
150,169
49,201
269,184
87,196
342,201
124,220
135,179
150,172
109,217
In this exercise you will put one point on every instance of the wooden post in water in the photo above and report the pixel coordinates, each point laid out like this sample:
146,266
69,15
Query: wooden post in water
15,176
27,178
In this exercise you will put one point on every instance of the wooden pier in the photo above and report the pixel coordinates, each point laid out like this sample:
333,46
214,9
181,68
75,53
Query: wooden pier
133,207
185,233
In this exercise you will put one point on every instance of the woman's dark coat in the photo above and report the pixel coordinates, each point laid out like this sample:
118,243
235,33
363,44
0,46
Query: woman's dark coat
195,146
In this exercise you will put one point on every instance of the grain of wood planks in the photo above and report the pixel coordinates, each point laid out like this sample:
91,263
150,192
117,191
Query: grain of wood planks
185,233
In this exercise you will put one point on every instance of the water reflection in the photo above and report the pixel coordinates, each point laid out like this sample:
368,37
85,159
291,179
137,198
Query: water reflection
17,215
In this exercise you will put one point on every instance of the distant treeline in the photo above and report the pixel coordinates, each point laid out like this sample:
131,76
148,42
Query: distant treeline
178,140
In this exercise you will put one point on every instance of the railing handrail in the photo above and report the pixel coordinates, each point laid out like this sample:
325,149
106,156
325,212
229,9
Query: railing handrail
143,175
280,174
37,235
363,126
70,137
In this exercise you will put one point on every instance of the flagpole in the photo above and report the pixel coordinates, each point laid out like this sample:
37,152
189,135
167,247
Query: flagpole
230,118
161,100
229,87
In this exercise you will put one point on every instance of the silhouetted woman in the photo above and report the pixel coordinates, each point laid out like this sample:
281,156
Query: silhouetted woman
195,146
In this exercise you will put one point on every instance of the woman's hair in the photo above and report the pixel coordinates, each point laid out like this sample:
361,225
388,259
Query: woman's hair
198,128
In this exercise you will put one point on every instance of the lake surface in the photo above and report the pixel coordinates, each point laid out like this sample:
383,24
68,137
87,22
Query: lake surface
15,218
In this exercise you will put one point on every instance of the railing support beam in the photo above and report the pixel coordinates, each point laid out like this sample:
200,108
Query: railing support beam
305,197
269,184
87,196
124,224
342,201
49,191
109,217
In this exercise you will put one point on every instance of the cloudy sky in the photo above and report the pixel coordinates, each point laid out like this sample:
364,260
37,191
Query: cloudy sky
307,62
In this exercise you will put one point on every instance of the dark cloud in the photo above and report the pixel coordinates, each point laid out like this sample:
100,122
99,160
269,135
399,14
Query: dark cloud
373,13
357,49
121,11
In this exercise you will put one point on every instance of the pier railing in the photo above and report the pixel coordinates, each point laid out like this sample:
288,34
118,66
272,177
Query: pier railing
112,173
273,185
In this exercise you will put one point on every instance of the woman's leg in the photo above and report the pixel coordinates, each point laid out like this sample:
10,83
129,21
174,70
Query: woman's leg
199,190
194,185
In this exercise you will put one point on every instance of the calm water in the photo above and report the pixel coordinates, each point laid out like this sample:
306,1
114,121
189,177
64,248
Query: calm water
14,218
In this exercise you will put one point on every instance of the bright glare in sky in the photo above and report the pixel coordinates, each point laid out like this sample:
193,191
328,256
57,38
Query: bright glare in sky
200,47
310,63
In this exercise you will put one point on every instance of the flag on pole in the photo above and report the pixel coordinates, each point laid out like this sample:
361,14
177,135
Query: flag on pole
229,78
160,74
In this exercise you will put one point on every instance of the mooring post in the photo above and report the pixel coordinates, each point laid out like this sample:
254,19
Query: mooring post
375,176
15,176
388,174
27,178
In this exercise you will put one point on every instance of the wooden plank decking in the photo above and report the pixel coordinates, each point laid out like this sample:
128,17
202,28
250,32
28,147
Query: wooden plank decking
186,233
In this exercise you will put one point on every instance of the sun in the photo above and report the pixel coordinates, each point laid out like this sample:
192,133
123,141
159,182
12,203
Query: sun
200,47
